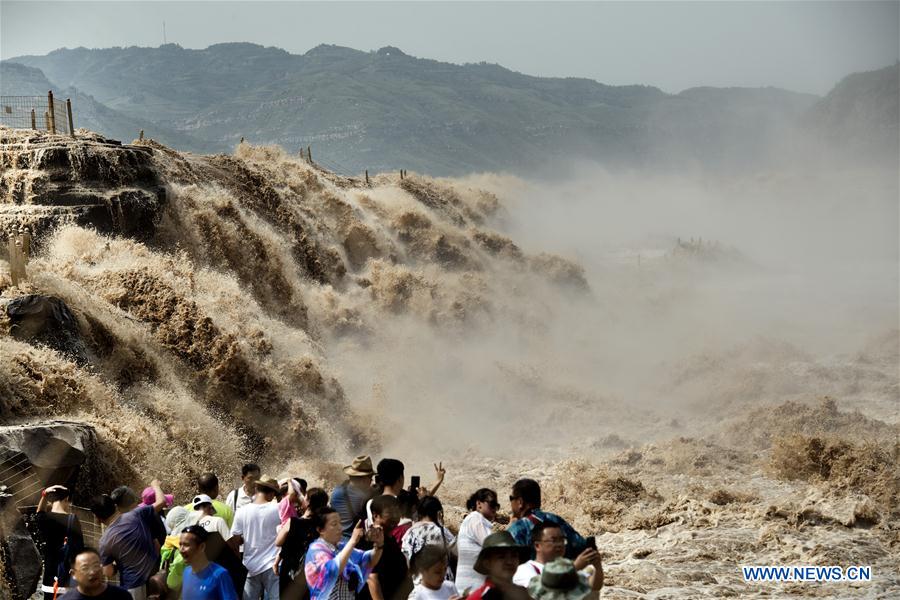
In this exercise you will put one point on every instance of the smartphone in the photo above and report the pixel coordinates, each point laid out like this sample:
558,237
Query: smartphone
592,542
415,482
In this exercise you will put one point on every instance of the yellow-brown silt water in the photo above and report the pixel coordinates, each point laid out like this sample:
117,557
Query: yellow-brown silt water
254,306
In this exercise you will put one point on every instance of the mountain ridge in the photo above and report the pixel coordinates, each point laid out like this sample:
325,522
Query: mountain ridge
384,109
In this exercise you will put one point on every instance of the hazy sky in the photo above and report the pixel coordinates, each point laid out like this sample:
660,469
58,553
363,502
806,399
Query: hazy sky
804,46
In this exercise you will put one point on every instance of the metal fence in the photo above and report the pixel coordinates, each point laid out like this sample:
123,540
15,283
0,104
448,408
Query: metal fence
42,113
21,485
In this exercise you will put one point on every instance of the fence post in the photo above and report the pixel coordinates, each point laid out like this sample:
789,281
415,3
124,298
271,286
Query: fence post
47,121
309,154
19,249
33,120
11,247
141,135
51,112
26,247
367,177
69,113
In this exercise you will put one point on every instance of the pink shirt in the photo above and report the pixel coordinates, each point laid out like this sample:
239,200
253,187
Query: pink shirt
286,510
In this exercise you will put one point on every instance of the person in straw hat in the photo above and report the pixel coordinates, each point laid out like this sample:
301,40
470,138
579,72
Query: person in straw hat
256,526
349,499
561,581
498,560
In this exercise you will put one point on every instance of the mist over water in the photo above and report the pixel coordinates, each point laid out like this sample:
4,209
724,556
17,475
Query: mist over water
665,390
796,265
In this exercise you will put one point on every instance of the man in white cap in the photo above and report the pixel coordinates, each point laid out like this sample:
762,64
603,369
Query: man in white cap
205,516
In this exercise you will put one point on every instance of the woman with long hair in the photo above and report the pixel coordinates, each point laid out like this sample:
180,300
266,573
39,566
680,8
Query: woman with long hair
429,529
294,539
482,506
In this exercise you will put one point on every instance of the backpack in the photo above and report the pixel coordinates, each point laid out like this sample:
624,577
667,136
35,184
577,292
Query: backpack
66,554
354,513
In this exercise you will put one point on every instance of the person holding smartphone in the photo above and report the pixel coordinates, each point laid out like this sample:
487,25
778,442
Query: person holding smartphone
335,569
550,544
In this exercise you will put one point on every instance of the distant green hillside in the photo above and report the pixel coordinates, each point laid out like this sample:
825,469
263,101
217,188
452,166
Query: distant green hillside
862,114
386,110
17,79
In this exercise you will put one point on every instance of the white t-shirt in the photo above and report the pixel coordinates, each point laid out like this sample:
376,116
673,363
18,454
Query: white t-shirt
420,592
369,507
472,532
210,523
243,499
532,568
526,572
258,525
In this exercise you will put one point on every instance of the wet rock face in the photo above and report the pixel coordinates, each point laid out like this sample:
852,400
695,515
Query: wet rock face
45,320
49,453
23,563
31,458
46,180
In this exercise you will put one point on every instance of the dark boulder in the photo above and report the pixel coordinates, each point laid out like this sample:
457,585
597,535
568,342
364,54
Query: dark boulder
37,455
22,562
33,457
46,320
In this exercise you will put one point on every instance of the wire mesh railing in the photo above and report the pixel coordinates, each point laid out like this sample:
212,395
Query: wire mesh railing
21,486
42,113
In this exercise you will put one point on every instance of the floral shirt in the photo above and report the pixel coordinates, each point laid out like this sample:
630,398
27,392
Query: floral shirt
424,533
322,569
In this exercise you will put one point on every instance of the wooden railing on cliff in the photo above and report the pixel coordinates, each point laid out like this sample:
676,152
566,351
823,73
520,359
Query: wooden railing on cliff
19,249
37,112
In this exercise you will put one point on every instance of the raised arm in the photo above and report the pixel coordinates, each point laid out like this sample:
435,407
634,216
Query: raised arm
439,472
160,500
282,536
344,555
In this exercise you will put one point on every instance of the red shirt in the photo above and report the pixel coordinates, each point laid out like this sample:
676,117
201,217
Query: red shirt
398,531
480,592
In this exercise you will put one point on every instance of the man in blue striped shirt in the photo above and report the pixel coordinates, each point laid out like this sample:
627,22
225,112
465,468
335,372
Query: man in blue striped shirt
525,502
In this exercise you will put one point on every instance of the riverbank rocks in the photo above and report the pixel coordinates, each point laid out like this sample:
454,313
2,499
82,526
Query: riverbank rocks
52,452
48,180
31,458
22,568
46,320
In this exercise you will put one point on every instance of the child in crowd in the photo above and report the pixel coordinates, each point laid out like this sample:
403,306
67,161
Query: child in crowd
430,564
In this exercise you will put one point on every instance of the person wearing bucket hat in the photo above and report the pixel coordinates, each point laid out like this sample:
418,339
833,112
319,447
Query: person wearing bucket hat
498,560
349,499
561,581
549,545
256,527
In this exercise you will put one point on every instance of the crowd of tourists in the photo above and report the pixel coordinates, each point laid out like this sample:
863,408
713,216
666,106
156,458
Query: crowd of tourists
371,538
